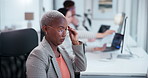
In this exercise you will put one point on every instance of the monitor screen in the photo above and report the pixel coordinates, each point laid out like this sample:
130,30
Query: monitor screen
116,43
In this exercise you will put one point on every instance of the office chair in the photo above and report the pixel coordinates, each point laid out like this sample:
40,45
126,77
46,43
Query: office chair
15,47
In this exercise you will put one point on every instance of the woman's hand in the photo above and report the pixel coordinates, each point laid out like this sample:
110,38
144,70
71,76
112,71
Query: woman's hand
108,32
102,35
91,40
73,36
100,48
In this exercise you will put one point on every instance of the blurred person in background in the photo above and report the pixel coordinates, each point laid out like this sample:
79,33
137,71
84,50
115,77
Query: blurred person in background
67,43
90,36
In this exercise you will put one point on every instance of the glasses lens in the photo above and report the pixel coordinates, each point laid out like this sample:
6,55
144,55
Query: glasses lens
60,30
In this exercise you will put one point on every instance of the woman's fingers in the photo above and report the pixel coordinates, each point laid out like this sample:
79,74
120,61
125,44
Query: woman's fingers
72,31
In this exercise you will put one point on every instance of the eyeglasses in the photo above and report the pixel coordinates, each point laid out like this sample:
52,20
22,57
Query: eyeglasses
71,8
60,30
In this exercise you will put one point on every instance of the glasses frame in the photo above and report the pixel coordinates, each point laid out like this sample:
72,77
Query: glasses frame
61,31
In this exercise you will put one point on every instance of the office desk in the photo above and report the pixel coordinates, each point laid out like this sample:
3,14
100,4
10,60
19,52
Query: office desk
100,67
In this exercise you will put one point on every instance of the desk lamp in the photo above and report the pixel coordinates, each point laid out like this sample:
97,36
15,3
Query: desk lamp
29,16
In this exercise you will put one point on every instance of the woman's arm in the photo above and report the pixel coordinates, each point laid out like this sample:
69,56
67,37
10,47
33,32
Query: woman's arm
79,62
35,67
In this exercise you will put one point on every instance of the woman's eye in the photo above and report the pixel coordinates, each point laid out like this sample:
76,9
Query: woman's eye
61,30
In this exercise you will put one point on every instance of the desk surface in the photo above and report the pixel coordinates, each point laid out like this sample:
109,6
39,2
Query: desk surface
97,64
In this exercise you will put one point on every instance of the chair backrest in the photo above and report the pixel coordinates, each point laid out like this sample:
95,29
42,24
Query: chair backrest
15,47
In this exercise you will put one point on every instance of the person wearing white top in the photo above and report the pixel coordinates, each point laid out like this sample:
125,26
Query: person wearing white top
67,44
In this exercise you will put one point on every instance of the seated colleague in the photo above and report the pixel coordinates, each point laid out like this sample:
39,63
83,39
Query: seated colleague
48,60
67,43
84,34
70,5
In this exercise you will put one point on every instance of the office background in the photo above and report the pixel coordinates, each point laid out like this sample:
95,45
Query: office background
12,15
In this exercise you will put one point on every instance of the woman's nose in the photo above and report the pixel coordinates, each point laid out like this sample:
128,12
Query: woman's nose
64,33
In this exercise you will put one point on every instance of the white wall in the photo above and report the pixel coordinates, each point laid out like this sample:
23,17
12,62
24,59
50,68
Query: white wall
48,5
96,23
1,13
59,4
141,20
126,6
142,23
147,34
12,13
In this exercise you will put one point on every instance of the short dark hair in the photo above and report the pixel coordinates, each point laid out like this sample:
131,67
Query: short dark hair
68,4
63,11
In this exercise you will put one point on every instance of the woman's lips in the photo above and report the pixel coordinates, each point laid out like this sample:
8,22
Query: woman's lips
62,40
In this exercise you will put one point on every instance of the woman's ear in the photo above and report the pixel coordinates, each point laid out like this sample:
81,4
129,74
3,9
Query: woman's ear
44,28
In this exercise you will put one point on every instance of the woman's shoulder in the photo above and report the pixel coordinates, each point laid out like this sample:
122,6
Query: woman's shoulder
40,53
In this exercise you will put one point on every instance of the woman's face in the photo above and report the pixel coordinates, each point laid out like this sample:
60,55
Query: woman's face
69,17
56,33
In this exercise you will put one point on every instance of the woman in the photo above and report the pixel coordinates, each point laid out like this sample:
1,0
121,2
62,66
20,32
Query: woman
69,4
48,60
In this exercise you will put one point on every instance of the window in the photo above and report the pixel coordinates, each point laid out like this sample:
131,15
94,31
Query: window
134,19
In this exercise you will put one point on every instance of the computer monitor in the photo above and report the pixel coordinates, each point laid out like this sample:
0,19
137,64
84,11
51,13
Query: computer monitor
120,20
118,39
123,34
125,56
103,28
116,43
